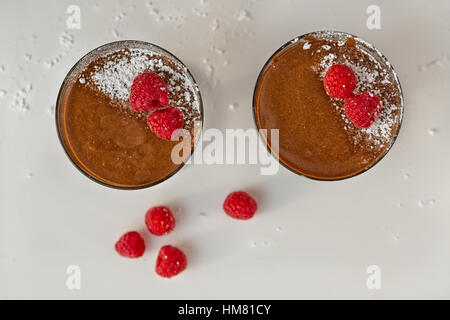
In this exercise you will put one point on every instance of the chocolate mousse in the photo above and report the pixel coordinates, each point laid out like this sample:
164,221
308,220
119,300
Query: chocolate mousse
101,133
316,137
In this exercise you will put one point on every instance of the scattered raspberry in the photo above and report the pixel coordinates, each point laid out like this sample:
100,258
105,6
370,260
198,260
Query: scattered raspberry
339,81
159,220
170,262
130,245
363,109
240,205
165,123
148,92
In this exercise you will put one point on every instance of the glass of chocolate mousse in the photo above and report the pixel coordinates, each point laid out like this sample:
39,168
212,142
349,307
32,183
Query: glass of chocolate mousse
316,137
102,135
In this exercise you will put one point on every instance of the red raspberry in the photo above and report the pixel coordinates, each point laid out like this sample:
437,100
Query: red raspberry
170,262
159,220
363,109
240,205
164,123
339,81
130,245
148,92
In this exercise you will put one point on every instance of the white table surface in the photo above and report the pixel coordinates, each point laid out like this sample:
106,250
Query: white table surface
309,239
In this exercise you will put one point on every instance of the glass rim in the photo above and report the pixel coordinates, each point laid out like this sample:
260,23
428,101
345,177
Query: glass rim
380,55
67,78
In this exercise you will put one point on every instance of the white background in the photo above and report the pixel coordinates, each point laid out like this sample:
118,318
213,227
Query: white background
308,240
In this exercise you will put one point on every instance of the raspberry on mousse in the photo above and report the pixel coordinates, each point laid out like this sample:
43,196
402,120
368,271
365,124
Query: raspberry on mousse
148,92
165,123
363,109
339,81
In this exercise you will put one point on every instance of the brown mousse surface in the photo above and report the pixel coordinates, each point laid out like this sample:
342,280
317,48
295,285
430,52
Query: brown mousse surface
315,136
104,136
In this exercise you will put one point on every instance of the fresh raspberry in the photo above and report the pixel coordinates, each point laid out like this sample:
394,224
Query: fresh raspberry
159,220
363,109
240,205
339,81
170,262
130,245
164,123
148,92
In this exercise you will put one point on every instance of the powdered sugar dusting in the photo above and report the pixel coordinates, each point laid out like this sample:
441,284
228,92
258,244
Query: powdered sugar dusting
326,62
115,78
379,134
380,131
